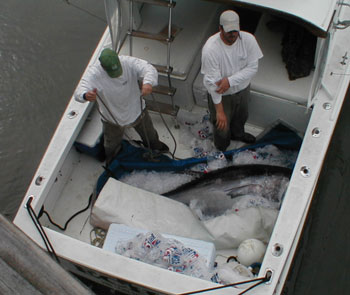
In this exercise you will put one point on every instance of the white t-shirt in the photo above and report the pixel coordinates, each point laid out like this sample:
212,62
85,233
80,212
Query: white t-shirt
122,94
238,62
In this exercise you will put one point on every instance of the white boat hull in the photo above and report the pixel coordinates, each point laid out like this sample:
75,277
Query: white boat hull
65,179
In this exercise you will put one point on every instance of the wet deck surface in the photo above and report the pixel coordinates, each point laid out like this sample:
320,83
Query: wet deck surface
321,265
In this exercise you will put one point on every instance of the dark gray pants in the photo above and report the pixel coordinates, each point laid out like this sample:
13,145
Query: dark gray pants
113,134
236,110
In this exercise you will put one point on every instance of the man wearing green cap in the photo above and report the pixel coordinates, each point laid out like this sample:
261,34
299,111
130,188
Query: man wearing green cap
113,82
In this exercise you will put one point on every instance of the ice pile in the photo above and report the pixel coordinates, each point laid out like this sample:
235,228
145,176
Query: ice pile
268,155
233,272
198,136
215,160
156,182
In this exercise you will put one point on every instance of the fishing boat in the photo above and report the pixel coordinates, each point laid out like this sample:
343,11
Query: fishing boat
306,96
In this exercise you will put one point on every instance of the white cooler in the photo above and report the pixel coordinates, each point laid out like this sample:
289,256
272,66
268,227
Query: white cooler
120,233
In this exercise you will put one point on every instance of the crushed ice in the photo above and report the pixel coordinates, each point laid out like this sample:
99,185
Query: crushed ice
197,136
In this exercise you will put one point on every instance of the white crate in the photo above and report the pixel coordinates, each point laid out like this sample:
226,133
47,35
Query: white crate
120,233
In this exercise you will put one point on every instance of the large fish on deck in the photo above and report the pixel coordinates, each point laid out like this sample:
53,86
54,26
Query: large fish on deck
216,192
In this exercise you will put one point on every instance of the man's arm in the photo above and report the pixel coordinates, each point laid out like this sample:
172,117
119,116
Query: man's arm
222,85
85,91
246,74
211,80
221,119
146,89
147,73
225,83
254,53
90,95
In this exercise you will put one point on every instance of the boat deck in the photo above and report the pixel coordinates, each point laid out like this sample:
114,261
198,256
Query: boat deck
86,170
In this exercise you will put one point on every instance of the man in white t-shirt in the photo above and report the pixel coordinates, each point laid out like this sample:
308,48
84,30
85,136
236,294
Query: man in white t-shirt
113,82
229,61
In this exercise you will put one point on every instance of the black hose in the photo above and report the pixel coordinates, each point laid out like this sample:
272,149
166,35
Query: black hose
70,219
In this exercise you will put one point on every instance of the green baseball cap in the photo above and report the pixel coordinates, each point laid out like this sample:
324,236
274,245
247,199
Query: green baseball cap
110,62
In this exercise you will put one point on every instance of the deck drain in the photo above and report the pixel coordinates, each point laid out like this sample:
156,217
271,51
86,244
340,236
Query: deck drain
72,114
39,180
327,106
316,132
305,171
277,250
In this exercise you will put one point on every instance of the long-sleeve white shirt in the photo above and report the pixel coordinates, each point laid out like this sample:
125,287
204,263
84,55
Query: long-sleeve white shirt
122,94
238,62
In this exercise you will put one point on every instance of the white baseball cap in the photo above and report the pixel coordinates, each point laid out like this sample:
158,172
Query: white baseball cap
230,21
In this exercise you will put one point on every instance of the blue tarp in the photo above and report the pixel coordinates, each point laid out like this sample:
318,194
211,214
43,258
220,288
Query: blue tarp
132,158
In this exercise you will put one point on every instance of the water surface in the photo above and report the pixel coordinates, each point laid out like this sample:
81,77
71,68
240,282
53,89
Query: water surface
44,48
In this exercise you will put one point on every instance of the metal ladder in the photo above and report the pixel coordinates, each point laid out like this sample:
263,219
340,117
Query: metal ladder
169,90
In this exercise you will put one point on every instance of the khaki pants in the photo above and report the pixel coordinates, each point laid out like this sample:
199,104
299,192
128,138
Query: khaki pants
113,134
236,111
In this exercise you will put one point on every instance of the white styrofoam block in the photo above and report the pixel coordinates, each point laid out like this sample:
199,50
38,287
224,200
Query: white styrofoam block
120,233
92,130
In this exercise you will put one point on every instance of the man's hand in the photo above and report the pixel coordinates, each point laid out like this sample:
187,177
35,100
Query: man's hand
221,119
146,89
223,85
91,95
